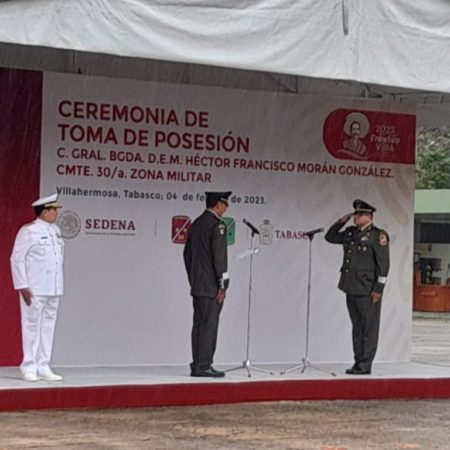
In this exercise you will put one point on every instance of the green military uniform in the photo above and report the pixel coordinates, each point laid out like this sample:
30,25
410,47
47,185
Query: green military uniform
364,271
205,258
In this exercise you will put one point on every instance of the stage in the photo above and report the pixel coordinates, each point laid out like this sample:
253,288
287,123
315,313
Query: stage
118,387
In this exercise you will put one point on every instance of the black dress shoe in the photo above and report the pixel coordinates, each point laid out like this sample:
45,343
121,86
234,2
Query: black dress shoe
218,372
352,369
358,371
210,372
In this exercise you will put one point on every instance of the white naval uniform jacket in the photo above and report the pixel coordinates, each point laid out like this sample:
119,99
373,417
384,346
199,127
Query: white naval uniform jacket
37,259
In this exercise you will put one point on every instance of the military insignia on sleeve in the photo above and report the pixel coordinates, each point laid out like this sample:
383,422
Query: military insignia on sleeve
384,238
222,228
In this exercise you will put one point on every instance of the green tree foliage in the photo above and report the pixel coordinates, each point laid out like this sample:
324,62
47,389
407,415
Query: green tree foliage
433,158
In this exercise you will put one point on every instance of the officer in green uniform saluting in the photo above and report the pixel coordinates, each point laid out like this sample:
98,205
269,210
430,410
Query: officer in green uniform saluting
363,277
205,259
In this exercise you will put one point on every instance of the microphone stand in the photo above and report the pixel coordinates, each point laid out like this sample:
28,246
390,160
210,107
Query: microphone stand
246,364
305,362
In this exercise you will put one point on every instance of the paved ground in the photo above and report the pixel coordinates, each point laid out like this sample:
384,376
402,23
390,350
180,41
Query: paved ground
431,338
321,425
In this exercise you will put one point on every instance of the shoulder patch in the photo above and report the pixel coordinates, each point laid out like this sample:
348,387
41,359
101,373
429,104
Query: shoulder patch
384,238
222,228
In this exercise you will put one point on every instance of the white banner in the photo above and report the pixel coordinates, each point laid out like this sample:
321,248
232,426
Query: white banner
132,161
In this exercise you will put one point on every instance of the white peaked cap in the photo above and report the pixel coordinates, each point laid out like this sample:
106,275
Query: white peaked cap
48,202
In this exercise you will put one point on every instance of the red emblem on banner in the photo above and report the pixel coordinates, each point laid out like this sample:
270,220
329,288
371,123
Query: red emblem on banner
370,136
180,227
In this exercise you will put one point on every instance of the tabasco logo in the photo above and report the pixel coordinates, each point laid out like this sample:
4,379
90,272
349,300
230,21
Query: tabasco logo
370,136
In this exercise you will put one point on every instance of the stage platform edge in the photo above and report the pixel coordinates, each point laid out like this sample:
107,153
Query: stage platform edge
98,388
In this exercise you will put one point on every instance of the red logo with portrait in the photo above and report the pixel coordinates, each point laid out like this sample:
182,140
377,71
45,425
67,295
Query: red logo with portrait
370,136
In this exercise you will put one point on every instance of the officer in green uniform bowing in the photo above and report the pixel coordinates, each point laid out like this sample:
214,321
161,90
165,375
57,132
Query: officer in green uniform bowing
363,277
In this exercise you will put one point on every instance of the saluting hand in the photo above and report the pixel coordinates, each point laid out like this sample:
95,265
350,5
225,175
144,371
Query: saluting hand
346,218
26,294
376,297
220,297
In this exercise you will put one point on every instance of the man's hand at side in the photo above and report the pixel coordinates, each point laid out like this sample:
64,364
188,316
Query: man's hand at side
26,294
220,297
376,297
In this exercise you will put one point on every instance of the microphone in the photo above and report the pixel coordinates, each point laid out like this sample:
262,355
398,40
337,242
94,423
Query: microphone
252,227
245,253
313,232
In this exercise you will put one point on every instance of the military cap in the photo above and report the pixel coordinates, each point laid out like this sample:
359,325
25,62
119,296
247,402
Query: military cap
213,197
361,206
51,201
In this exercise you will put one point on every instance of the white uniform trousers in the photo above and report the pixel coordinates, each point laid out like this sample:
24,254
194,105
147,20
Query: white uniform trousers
38,329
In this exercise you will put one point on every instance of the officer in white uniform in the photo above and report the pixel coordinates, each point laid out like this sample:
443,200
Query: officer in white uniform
36,266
